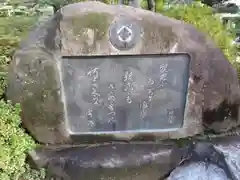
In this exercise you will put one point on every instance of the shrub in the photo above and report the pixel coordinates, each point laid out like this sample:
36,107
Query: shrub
12,29
33,174
14,143
202,17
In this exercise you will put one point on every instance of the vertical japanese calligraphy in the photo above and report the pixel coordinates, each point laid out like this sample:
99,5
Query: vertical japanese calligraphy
128,85
163,70
111,103
94,74
150,94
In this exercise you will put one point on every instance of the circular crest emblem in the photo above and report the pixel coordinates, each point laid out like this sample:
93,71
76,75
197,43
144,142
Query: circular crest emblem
124,34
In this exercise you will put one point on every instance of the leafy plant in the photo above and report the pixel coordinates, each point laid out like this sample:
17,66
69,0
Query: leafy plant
12,29
203,18
56,4
33,174
14,143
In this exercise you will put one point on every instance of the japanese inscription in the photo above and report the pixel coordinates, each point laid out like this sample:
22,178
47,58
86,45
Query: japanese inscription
127,93
91,122
111,103
94,74
128,85
171,114
150,93
163,71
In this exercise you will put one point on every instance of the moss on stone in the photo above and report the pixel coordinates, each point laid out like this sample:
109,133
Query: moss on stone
97,22
162,40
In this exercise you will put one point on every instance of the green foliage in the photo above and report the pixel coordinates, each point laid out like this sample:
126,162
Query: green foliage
203,19
52,2
12,29
56,4
14,3
32,174
11,10
14,143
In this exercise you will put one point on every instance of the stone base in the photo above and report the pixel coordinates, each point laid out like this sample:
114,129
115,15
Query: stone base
108,161
135,161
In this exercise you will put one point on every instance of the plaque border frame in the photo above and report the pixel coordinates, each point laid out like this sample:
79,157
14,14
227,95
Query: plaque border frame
163,134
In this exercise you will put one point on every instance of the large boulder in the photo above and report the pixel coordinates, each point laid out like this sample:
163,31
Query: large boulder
35,76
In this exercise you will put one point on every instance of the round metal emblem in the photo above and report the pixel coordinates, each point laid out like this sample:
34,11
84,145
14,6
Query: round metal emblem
124,34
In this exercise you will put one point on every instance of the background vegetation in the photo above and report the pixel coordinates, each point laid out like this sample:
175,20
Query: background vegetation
17,18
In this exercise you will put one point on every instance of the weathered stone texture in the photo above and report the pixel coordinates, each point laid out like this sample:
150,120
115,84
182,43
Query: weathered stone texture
82,29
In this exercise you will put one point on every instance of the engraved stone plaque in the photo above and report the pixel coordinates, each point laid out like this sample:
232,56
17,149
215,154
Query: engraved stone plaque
127,93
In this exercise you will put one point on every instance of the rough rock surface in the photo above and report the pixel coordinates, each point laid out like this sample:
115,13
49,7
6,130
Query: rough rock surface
217,160
198,171
82,29
228,147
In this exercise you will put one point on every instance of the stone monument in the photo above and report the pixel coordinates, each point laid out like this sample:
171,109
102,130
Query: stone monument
96,74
